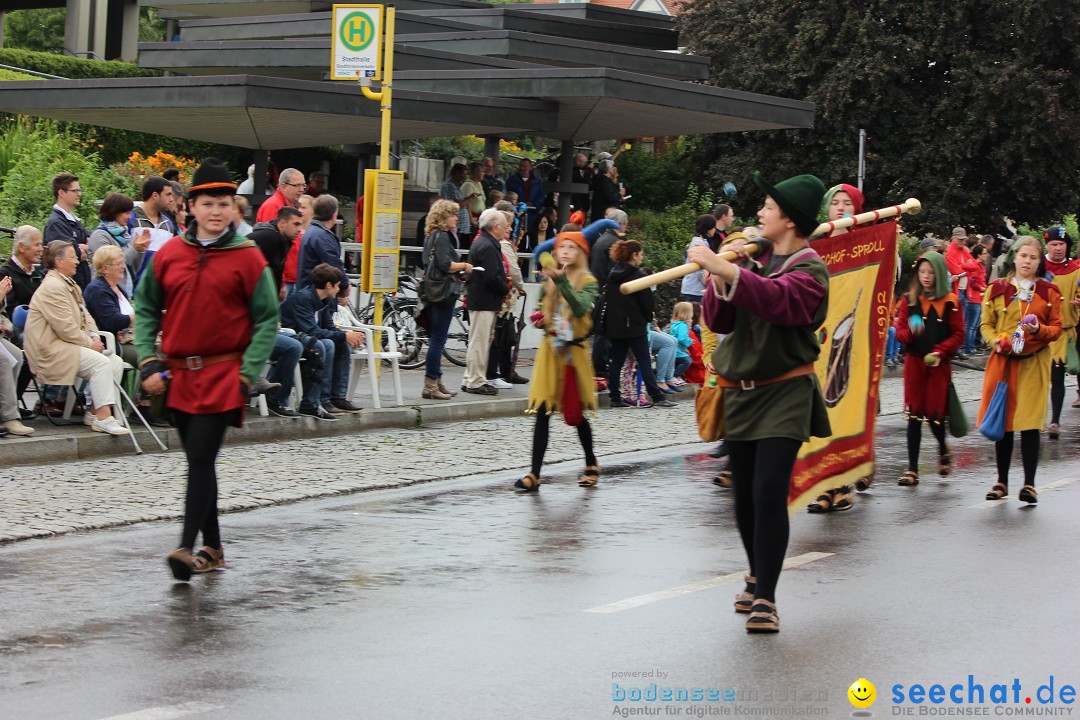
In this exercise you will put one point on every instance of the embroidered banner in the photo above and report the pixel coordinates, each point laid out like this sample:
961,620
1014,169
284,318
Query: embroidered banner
862,274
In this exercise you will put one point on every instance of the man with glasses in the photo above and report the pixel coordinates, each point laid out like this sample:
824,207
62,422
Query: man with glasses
290,187
64,225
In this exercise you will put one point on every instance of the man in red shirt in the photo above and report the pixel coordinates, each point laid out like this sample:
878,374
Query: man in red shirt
290,187
960,263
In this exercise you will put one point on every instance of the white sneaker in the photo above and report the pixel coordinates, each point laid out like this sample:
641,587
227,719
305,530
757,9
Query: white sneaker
109,425
500,384
17,428
88,419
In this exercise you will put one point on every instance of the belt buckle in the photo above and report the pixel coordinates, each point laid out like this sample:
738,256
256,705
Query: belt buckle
194,362
745,386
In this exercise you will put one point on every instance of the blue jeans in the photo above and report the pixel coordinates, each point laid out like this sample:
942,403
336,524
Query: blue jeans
334,382
664,347
286,356
972,320
681,365
439,317
290,288
892,345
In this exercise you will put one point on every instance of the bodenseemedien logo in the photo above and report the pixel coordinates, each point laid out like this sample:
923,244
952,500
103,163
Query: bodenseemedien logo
357,31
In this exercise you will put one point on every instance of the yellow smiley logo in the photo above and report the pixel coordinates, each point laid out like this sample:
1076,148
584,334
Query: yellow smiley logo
862,693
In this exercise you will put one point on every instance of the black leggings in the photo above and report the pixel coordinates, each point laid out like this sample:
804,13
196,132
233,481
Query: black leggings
540,440
1029,455
761,471
202,436
914,439
1057,391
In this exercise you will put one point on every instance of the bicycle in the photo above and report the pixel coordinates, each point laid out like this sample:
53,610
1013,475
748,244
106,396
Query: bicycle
399,313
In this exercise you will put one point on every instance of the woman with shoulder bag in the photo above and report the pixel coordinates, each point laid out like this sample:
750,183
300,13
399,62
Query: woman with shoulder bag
440,290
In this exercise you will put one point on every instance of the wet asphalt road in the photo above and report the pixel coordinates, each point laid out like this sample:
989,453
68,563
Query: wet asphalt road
464,599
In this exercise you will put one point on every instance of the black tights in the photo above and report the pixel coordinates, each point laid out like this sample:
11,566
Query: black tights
202,436
1057,391
1029,455
761,470
540,440
914,439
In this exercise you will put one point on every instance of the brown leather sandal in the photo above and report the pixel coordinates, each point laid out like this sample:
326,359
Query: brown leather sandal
997,492
944,464
208,559
531,481
909,479
724,478
763,617
744,600
823,503
590,477
1028,494
181,563
863,484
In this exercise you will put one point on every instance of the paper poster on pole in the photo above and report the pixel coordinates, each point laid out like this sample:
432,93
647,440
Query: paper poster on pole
356,42
383,191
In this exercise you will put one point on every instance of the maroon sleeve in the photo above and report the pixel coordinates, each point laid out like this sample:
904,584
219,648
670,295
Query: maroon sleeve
719,315
948,347
791,299
903,330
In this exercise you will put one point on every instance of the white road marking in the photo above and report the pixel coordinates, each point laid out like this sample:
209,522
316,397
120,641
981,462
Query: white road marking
1055,485
639,600
167,712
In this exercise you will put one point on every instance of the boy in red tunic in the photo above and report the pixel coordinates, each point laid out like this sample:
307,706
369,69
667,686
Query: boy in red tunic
212,296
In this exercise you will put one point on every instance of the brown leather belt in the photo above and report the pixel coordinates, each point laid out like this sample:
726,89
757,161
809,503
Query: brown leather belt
807,369
198,362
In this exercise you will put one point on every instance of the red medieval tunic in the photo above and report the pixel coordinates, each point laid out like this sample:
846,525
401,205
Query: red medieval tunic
1027,373
925,387
208,301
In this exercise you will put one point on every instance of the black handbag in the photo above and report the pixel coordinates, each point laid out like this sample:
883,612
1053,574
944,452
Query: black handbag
599,314
505,332
435,285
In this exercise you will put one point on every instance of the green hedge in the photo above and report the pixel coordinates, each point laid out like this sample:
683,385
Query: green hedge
71,67
12,75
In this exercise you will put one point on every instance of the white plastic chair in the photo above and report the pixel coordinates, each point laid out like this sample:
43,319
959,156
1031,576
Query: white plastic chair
368,353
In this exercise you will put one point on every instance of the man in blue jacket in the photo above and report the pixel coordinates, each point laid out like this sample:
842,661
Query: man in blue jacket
320,244
310,312
527,186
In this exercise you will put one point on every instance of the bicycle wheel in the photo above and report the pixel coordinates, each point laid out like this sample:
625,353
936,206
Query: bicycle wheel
457,341
412,341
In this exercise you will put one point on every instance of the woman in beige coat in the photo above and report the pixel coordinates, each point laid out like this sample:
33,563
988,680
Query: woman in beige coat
61,340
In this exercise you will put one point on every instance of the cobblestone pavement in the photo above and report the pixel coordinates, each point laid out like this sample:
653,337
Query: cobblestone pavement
89,494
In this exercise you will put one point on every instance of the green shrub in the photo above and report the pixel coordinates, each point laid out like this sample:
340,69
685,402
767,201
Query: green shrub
26,196
71,67
664,236
12,75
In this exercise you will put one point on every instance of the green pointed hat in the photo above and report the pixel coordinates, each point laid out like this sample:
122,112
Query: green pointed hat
799,197
942,285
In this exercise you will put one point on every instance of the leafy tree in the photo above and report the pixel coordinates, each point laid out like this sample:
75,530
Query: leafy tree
972,107
34,29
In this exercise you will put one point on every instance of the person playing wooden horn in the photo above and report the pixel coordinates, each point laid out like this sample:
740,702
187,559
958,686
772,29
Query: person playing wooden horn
772,307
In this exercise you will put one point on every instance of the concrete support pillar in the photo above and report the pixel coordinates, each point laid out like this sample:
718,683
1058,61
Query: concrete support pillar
129,37
566,174
77,27
100,26
491,147
258,190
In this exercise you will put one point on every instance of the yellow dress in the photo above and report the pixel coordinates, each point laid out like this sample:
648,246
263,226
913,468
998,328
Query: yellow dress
1070,314
546,385
1028,374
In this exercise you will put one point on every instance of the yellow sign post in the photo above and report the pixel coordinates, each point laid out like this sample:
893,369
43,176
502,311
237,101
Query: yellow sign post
357,31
